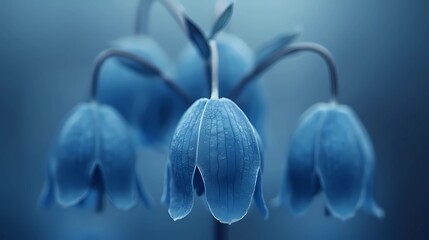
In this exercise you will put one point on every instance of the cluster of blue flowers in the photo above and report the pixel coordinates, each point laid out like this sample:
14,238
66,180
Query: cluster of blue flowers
210,107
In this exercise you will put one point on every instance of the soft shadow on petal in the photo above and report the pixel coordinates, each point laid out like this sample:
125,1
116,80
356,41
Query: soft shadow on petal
198,183
94,200
369,204
228,159
160,116
301,180
75,154
183,160
340,164
117,157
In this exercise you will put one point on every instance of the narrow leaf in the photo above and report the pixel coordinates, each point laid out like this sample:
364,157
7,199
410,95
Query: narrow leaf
273,46
196,36
222,20
139,65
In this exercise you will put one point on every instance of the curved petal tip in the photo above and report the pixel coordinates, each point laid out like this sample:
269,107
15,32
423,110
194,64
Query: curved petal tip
371,207
143,194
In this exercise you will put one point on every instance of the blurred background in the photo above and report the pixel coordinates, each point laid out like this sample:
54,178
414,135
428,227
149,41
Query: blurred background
47,48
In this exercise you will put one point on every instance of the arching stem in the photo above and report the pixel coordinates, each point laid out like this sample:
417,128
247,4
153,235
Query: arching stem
142,20
151,69
214,70
298,47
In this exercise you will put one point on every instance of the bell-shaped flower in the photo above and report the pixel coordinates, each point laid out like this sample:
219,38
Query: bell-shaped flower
330,152
144,101
93,156
215,150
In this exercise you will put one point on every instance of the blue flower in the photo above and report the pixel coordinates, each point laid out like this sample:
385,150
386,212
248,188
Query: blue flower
92,156
330,151
236,59
144,101
215,150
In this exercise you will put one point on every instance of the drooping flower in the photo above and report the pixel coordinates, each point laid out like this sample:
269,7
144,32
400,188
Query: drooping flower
215,150
144,101
330,152
93,156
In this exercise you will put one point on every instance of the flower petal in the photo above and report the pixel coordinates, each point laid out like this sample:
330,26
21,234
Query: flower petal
75,155
368,154
136,96
94,200
301,181
236,60
228,159
340,164
47,196
370,205
258,196
165,199
117,156
144,196
160,116
119,86
183,160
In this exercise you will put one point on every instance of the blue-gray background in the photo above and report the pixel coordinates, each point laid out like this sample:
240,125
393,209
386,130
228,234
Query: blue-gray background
382,50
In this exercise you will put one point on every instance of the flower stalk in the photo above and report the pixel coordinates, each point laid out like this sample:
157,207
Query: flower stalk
295,48
148,67
214,68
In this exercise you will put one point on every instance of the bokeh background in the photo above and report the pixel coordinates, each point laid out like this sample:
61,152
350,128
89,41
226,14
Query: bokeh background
382,49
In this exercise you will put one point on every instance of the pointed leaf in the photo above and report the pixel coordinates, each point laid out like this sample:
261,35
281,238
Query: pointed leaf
222,20
139,65
196,36
273,46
